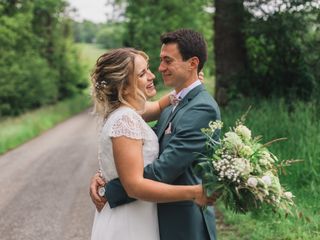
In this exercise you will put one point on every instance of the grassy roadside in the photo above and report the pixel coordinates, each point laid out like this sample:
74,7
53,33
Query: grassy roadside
15,131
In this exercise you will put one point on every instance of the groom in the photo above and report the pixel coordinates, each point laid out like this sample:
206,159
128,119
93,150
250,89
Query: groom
183,54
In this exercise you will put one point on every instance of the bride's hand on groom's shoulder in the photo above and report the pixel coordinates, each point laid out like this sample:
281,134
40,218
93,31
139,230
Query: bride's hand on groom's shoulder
96,182
201,76
203,200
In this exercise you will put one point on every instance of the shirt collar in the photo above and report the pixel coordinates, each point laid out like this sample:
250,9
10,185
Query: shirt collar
186,90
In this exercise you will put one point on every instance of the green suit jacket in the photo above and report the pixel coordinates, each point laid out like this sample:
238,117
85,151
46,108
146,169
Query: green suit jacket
180,141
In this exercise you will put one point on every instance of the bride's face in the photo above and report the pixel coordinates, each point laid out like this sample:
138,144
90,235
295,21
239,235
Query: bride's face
144,77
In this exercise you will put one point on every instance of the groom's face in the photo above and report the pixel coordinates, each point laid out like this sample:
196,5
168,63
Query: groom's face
172,67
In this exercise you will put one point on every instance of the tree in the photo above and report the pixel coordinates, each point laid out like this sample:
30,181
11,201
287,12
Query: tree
147,20
26,79
266,48
38,64
51,25
281,39
229,47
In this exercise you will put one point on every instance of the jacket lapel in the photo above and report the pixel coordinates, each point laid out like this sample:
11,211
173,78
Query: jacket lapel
164,120
163,125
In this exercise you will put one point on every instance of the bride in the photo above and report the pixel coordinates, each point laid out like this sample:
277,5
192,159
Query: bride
121,83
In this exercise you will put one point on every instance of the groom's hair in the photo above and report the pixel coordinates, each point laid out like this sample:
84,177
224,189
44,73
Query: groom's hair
190,44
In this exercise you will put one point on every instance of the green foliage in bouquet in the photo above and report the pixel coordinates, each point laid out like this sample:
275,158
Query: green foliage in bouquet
243,171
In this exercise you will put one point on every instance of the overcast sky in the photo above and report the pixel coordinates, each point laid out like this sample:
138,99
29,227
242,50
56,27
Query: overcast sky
93,10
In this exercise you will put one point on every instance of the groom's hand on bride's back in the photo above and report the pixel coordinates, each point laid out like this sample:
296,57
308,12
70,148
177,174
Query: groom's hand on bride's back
96,182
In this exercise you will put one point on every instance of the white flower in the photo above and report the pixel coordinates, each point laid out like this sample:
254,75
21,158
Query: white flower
245,151
266,155
276,186
242,165
267,180
243,132
288,195
232,140
263,162
214,125
252,182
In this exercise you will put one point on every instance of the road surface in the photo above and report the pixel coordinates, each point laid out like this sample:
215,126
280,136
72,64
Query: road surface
44,184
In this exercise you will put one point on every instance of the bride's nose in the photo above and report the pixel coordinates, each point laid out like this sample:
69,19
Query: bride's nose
151,76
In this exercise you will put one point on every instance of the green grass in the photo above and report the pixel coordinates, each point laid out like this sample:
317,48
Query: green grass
273,227
301,125
17,130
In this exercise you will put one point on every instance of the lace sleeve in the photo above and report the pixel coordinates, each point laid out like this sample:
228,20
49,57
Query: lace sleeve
128,125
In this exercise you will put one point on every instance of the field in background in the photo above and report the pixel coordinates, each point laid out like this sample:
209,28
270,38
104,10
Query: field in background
89,54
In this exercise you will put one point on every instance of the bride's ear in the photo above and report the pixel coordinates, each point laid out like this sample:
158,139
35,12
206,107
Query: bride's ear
125,91
128,88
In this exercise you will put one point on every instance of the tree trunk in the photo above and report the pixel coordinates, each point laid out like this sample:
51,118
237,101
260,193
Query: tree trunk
229,45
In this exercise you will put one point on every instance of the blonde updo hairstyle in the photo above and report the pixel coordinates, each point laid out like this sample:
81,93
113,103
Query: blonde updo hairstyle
111,77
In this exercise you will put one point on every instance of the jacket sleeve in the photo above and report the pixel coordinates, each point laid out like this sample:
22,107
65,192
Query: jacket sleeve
178,155
182,150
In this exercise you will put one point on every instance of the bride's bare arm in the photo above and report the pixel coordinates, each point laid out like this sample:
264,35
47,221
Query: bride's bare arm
153,109
129,164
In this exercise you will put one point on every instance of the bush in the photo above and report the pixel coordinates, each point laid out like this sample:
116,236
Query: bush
26,82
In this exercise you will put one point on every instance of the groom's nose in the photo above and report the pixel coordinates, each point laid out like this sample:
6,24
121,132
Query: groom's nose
161,67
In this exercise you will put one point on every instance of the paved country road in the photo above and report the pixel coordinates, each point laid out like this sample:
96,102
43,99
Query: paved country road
44,184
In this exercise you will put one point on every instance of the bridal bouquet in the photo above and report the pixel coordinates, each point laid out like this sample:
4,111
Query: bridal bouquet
243,171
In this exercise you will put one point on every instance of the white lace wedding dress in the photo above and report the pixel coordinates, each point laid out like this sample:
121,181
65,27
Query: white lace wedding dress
137,220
